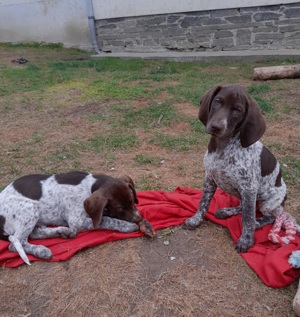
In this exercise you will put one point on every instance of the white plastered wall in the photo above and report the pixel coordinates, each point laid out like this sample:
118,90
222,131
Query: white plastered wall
105,9
49,21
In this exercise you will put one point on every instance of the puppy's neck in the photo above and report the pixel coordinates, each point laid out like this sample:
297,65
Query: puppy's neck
219,144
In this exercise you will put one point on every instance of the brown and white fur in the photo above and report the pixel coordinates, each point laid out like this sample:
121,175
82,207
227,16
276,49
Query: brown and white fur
238,163
69,203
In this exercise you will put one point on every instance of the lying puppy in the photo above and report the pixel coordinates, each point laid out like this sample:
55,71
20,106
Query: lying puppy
71,203
238,163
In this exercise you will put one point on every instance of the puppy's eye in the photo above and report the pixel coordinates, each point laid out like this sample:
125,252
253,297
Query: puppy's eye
237,110
216,104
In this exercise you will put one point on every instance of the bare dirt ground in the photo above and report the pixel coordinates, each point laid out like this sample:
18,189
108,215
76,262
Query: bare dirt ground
198,274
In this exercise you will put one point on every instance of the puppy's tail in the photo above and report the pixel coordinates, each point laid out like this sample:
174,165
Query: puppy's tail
17,244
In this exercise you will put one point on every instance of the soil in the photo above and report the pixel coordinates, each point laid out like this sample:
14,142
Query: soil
199,273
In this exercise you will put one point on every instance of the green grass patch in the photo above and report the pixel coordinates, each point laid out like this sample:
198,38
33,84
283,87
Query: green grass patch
155,115
109,64
63,154
149,183
256,90
275,146
37,137
104,88
178,142
97,117
196,82
291,170
22,79
111,142
144,159
196,125
36,45
264,105
190,91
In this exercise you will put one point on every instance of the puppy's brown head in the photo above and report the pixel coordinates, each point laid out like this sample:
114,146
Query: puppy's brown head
227,110
113,197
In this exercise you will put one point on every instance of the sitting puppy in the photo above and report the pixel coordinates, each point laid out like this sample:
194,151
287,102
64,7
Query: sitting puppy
70,202
238,163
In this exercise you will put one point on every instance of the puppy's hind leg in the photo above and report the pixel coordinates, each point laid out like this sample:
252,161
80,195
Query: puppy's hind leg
38,251
22,225
224,213
43,232
16,246
263,221
20,244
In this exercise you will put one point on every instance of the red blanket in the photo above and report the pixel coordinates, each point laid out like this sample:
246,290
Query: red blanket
163,210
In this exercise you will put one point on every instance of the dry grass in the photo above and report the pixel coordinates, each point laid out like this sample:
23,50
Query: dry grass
205,277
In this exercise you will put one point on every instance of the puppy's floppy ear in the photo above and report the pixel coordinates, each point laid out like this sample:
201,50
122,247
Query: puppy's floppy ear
254,125
205,103
130,183
94,207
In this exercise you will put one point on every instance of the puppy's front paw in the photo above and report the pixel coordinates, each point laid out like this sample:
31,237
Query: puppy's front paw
127,227
192,223
244,244
147,228
67,233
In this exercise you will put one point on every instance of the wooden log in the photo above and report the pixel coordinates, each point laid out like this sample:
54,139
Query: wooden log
276,72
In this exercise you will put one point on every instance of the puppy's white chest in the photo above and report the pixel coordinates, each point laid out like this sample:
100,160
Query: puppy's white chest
231,169
221,172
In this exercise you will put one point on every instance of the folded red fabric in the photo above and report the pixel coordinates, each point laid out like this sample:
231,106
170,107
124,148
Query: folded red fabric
163,209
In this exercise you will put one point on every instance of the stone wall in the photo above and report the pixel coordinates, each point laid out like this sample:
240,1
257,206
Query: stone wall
255,28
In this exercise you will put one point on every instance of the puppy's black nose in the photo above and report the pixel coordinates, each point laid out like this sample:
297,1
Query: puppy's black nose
215,128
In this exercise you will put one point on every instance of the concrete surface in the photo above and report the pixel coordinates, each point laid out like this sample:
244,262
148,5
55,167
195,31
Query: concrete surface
223,56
